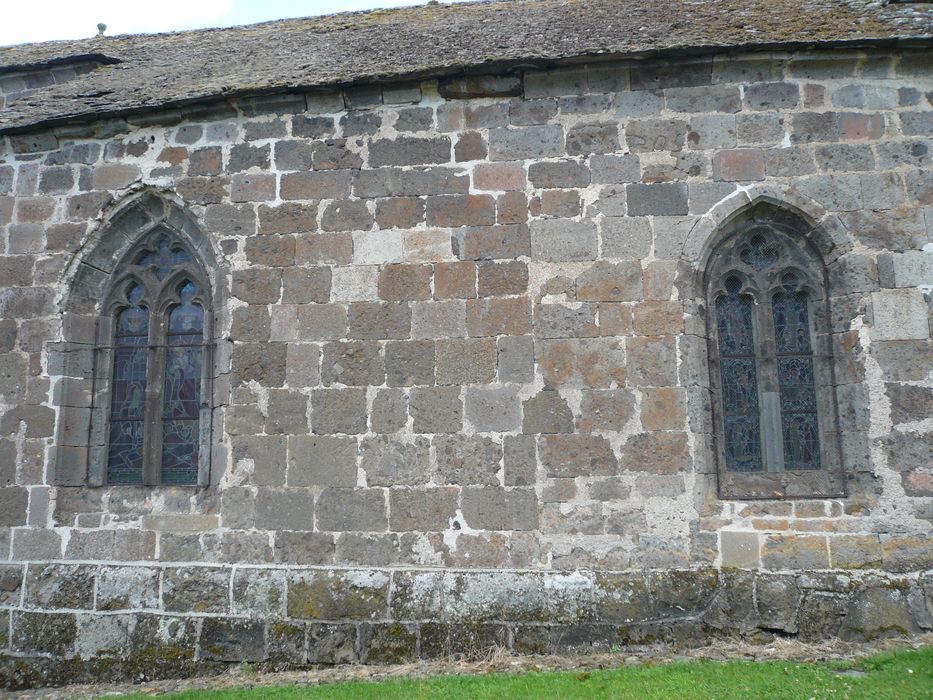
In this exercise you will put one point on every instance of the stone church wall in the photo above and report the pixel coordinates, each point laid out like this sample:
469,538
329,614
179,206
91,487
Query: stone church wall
460,383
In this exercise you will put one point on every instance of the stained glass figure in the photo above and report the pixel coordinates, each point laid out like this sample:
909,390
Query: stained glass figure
182,390
128,391
741,422
800,424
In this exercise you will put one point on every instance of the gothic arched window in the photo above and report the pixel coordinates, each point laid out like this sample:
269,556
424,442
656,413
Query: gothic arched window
771,364
154,339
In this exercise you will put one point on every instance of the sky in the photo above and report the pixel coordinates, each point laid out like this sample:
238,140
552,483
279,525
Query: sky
25,21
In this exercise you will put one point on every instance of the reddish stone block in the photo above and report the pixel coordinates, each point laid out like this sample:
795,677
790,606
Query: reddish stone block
502,278
861,127
405,282
739,165
455,280
659,318
499,176
470,146
399,212
510,316
461,210
512,208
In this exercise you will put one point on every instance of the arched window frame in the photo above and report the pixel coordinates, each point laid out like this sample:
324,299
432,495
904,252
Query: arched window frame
160,297
798,256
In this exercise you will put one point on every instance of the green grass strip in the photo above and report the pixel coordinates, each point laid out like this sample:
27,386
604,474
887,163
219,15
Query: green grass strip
905,675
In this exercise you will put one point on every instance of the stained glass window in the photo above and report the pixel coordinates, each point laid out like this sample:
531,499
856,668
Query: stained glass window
741,421
762,290
128,391
799,420
157,440
181,396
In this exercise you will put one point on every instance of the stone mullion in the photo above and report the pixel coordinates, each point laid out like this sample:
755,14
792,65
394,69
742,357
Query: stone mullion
769,387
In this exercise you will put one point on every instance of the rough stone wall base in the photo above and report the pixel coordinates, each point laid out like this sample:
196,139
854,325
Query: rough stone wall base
282,618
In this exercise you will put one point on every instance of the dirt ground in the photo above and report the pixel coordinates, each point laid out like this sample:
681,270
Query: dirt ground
495,661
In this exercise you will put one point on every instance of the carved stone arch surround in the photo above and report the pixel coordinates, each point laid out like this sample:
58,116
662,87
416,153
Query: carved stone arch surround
75,365
825,235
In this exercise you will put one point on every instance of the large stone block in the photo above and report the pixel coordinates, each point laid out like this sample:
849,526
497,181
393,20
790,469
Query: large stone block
577,455
466,460
340,509
390,462
196,589
495,508
338,595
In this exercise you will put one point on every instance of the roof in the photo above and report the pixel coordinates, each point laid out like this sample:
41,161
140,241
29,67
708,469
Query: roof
160,71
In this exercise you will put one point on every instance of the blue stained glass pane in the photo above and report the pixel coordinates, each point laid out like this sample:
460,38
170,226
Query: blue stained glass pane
125,455
791,322
733,319
800,423
741,423
801,441
180,452
166,256
128,392
743,443
796,378
182,391
760,253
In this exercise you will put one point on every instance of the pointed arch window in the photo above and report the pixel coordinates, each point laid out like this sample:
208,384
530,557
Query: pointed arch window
771,365
155,335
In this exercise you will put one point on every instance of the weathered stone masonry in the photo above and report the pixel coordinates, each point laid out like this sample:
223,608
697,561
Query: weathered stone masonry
460,383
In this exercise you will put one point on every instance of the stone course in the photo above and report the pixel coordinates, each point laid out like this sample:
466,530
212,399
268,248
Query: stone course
460,385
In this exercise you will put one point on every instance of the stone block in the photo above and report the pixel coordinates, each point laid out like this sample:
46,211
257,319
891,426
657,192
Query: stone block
409,150
287,412
657,453
354,363
651,361
609,169
48,633
525,143
304,548
347,215
338,411
224,639
388,643
899,314
399,212
322,321
332,644
547,412
455,280
739,165
664,199
494,508
436,409
877,612
646,135
467,460
605,410
493,409
739,549
289,509
379,320
258,593
401,282
438,319
466,361
625,237
586,139
499,316
196,589
794,552
53,586
389,411
391,462
491,242
556,240
422,509
663,408
337,595
577,455
499,176
588,362
908,269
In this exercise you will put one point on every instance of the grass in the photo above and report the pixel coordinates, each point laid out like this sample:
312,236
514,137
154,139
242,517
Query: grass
905,675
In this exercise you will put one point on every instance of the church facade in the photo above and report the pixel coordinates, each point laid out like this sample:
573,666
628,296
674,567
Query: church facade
567,351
